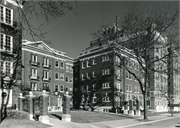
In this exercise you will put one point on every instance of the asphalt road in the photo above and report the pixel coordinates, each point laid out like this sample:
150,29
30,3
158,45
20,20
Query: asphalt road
172,123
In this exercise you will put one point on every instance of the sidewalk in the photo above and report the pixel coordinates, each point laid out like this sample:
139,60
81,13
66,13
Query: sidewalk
123,123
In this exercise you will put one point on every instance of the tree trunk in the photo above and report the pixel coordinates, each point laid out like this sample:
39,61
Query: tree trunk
145,107
171,109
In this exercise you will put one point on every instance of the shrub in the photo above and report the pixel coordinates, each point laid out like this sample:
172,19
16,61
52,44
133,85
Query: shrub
14,114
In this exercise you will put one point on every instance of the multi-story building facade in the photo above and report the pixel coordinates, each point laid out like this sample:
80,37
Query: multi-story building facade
99,57
100,80
10,47
46,68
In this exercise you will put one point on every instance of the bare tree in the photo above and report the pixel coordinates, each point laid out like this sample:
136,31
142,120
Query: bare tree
47,9
141,32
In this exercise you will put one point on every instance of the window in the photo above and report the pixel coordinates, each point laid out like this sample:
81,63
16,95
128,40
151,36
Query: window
34,86
67,68
34,73
118,86
34,58
7,67
56,88
83,64
71,80
6,42
105,58
106,98
46,75
130,76
105,85
46,86
105,72
6,15
130,88
57,64
56,76
127,74
88,88
94,74
88,63
46,62
62,76
94,86
127,87
62,65
88,75
117,60
62,88
94,61
71,70
67,79
94,98
83,77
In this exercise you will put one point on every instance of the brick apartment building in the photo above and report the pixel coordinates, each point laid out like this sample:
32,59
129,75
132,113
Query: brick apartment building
100,80
10,47
46,68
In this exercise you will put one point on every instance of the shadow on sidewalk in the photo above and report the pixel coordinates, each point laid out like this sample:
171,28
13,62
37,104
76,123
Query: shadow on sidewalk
57,116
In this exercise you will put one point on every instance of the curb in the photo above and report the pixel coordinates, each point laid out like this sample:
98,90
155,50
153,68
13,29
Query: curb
147,122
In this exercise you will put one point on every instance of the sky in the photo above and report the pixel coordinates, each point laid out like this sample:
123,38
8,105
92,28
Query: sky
72,33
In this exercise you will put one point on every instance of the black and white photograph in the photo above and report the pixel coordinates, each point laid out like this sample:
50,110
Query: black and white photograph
89,64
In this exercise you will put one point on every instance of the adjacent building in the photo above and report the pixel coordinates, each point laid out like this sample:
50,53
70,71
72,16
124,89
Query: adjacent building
100,80
46,68
10,47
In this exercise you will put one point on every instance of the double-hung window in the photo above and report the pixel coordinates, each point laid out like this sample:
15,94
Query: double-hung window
56,76
7,67
34,73
67,68
105,85
34,86
46,62
34,58
6,15
62,76
45,74
62,88
105,72
6,43
94,61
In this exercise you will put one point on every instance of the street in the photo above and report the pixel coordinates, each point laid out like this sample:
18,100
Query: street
171,123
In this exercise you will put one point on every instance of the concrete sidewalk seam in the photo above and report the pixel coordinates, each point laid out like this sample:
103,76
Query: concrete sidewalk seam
146,122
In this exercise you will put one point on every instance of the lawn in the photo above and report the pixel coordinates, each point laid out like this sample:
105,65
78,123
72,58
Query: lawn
22,123
80,116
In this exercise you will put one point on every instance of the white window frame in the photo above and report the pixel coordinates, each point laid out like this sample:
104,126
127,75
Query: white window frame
61,75
87,75
70,69
34,86
106,98
67,68
62,65
57,63
67,79
55,76
34,73
105,85
61,87
94,98
106,72
46,62
105,58
88,64
94,61
57,88
127,88
82,75
118,86
3,43
34,58
87,88
83,65
130,88
3,68
4,15
94,74
45,75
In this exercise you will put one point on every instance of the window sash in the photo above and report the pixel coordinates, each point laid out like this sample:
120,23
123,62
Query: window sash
46,75
34,73
56,76
61,88
6,15
6,42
